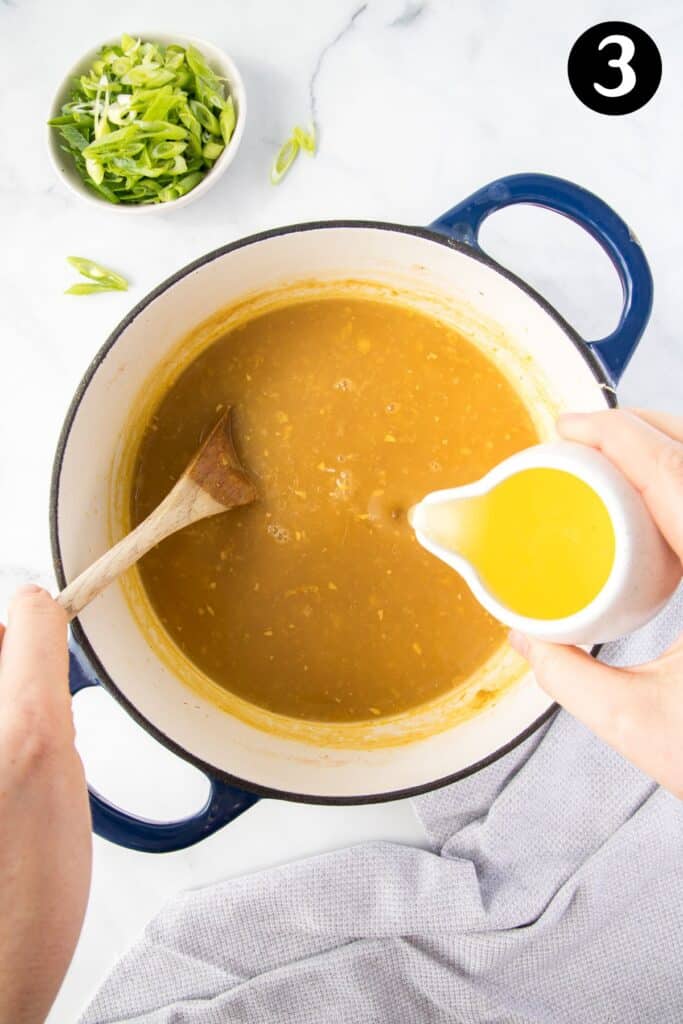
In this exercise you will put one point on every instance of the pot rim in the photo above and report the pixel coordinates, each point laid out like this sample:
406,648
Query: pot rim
79,633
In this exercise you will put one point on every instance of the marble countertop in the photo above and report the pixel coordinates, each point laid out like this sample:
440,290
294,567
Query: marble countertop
418,104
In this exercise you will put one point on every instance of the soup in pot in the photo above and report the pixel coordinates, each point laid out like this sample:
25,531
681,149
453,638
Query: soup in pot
317,602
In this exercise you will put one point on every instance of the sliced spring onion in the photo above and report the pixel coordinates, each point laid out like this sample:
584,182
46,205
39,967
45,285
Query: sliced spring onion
205,117
227,120
101,279
167,150
75,137
88,289
286,156
142,115
201,68
95,170
212,150
182,186
128,43
289,150
306,139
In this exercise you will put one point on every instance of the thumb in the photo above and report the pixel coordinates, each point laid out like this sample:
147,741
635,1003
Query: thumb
608,700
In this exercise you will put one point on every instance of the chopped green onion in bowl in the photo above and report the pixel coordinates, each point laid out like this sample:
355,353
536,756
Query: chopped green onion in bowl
147,121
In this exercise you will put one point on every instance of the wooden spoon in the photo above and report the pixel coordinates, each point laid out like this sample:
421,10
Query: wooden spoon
213,482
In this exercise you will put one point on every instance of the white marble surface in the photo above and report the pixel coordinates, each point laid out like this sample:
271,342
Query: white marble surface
418,104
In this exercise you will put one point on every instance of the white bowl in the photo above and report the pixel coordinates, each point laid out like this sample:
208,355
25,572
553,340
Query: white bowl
217,60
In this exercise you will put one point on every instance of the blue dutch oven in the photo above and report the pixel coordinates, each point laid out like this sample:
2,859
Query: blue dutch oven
552,366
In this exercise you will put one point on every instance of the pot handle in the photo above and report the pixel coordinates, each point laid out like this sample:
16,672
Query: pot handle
464,221
223,805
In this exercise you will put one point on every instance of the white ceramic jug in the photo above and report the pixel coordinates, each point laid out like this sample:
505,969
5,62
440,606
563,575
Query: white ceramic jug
645,571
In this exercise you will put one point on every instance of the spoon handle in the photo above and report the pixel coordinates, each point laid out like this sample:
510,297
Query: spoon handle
186,503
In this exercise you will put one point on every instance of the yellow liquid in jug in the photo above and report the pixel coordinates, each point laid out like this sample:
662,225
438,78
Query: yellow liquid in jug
542,541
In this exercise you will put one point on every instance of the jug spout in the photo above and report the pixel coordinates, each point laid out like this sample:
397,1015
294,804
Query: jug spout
441,522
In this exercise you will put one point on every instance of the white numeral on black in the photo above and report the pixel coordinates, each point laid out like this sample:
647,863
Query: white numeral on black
622,62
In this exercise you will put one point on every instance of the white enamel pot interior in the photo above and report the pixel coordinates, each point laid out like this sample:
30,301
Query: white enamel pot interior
536,349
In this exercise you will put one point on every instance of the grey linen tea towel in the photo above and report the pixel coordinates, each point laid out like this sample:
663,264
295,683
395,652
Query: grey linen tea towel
552,894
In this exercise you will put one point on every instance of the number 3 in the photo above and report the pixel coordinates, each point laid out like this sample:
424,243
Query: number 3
628,75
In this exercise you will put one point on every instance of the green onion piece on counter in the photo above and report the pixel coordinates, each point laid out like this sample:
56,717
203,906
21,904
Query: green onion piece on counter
102,278
286,156
305,139
143,115
288,152
88,289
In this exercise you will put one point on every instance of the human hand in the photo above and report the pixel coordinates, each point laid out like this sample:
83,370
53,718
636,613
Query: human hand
638,711
45,843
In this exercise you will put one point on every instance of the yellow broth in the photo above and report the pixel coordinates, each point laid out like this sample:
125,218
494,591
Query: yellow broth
541,540
317,602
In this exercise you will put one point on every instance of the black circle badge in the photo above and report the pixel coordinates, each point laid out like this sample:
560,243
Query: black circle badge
614,68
